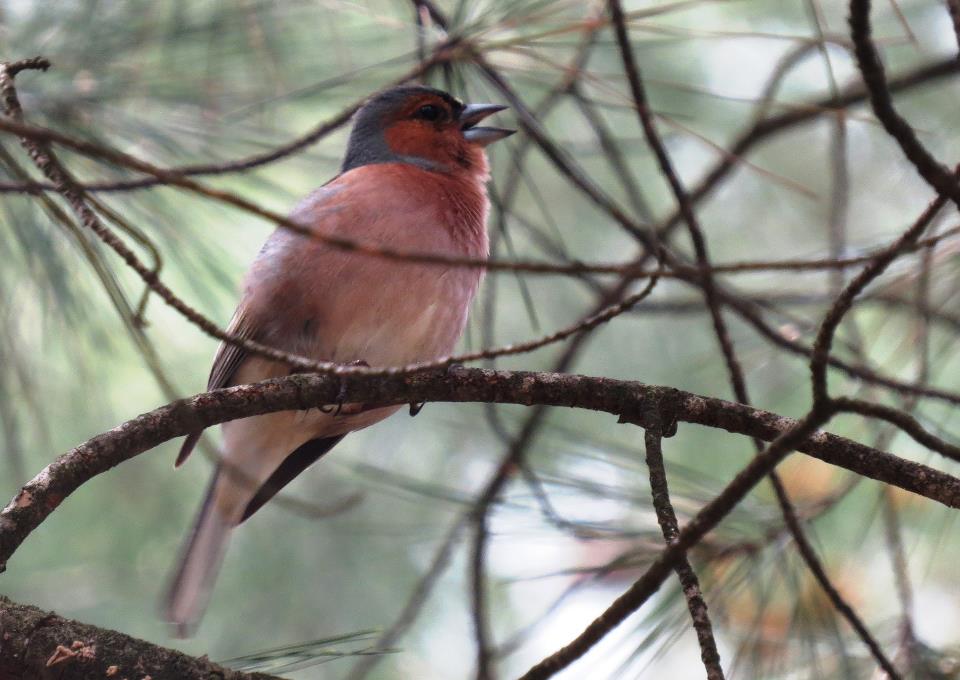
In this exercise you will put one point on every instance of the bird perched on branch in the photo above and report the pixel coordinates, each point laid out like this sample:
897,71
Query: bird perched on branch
413,180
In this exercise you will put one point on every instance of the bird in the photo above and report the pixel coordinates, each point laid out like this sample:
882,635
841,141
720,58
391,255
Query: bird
413,179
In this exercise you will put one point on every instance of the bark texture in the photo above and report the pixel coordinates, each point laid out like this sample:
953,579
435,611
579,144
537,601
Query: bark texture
39,645
631,401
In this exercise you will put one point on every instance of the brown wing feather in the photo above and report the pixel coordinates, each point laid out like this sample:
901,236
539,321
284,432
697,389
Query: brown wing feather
230,356
225,365
298,461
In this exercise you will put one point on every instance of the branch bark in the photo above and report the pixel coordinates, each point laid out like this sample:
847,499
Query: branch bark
40,645
41,495
670,527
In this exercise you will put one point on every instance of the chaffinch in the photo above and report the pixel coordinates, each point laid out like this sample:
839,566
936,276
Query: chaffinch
413,180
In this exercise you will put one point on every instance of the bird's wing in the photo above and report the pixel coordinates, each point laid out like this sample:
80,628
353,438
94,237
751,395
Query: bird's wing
248,323
225,364
230,356
298,461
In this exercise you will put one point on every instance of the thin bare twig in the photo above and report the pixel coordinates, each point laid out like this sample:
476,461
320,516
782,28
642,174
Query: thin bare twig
698,609
667,518
725,341
705,520
821,346
441,55
936,174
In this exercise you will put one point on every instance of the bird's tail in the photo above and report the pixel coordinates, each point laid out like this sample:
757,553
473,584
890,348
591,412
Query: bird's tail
189,591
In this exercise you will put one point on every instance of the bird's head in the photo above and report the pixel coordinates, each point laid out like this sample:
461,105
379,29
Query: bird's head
425,127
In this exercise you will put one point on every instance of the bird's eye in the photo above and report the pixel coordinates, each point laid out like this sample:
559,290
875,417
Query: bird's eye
429,112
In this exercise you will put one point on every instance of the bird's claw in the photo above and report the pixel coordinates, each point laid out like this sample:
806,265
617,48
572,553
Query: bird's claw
336,408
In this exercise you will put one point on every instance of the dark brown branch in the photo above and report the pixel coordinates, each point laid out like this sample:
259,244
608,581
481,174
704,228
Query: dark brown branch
935,173
751,315
514,459
768,127
953,7
39,497
170,178
39,644
575,175
704,521
299,362
658,479
667,519
440,55
511,460
732,362
48,163
902,420
821,346
30,64
812,560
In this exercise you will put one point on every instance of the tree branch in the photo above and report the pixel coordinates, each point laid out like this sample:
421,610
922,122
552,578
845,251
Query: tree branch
441,55
933,171
39,644
667,519
693,532
41,496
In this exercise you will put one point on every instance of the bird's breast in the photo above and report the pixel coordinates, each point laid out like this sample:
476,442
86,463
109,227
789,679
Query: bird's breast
346,306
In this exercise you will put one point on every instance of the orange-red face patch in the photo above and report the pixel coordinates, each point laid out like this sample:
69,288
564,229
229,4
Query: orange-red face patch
440,141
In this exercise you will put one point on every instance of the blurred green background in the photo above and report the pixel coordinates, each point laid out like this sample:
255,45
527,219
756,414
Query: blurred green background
198,81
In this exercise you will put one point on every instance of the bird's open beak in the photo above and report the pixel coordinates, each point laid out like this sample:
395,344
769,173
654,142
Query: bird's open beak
473,114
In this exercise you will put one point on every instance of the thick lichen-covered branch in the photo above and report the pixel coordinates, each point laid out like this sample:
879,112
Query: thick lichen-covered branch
39,644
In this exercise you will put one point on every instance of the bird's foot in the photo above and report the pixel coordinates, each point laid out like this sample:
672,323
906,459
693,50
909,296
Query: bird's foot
336,408
416,407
